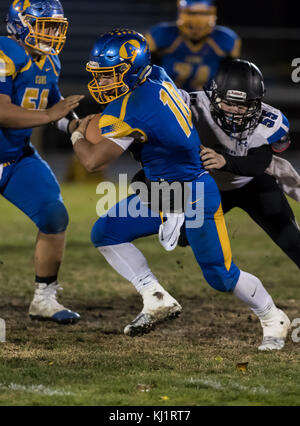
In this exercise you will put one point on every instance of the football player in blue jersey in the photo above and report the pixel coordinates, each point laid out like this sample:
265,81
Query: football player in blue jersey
192,49
144,111
30,97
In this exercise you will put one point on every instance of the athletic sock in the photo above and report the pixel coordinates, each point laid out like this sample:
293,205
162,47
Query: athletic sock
130,263
250,290
45,280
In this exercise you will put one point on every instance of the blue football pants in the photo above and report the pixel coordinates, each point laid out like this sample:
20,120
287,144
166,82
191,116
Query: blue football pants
209,242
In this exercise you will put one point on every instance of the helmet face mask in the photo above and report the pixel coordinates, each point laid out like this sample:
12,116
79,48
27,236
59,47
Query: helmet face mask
40,25
46,35
107,83
196,19
235,117
119,62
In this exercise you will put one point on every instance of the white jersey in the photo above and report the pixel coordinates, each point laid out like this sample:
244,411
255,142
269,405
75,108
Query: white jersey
273,125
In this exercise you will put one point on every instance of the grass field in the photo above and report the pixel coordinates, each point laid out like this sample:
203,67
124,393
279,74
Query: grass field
190,361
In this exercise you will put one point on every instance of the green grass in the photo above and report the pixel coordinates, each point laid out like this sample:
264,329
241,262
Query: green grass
191,361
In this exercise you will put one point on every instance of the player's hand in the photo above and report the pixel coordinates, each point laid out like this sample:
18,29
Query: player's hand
211,159
63,107
73,125
84,124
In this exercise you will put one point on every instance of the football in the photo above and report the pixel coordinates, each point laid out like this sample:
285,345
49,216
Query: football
92,131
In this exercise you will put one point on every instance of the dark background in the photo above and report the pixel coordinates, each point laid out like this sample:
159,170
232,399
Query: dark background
270,32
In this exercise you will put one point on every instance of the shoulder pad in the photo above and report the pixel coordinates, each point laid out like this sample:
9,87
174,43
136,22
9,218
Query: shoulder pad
117,121
225,38
111,123
273,124
13,56
161,36
159,74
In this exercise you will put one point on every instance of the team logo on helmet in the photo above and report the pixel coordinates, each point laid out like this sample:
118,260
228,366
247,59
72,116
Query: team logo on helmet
20,5
130,49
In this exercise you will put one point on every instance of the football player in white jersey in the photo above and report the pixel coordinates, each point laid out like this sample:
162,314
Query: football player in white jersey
241,135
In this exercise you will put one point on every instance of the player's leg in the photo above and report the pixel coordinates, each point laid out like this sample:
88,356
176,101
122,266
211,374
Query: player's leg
211,247
112,235
228,199
33,188
266,203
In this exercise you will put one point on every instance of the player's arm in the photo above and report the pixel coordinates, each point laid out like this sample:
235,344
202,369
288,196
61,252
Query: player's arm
276,128
70,122
97,155
282,144
253,164
229,41
13,116
236,50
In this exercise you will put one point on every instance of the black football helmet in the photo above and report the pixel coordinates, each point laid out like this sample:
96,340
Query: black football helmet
239,84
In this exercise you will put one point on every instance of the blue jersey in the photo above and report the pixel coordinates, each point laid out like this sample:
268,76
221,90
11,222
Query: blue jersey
156,116
191,65
30,84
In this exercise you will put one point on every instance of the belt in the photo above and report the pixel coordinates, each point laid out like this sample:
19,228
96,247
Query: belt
27,152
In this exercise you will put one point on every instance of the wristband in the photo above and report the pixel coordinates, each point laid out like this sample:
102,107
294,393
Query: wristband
76,136
63,125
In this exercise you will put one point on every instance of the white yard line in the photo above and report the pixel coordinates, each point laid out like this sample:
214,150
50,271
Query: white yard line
230,386
39,389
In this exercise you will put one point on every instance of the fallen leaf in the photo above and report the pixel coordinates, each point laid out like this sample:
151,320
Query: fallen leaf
144,388
242,366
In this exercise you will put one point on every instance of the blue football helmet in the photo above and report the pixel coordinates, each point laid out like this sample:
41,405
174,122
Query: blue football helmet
119,62
196,18
39,24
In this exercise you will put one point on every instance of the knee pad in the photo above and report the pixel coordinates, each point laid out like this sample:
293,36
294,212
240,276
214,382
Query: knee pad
53,218
98,233
219,278
109,231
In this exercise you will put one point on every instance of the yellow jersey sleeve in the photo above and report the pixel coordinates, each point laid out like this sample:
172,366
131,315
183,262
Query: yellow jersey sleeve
114,127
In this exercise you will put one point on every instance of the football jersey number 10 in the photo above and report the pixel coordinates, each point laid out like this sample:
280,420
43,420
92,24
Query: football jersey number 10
181,111
33,99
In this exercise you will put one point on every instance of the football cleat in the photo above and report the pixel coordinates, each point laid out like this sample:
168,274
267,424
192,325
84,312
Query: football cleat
275,326
159,306
44,306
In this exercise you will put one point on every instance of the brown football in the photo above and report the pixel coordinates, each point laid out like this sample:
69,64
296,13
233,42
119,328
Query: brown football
92,132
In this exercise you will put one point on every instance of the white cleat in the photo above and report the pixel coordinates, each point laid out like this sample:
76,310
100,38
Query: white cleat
45,307
159,306
275,326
